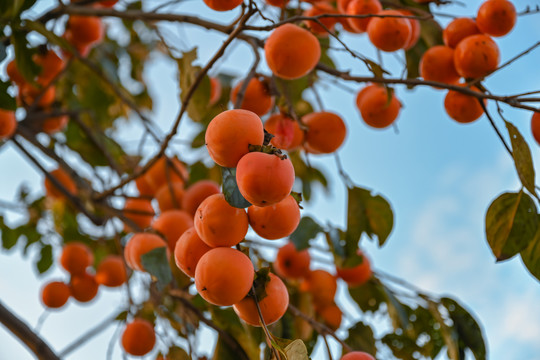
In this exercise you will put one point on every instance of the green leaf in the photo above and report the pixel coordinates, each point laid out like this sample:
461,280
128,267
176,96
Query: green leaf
23,56
260,281
45,259
522,158
7,102
396,311
531,256
230,189
361,338
511,224
156,263
177,353
198,104
369,296
307,229
467,328
122,316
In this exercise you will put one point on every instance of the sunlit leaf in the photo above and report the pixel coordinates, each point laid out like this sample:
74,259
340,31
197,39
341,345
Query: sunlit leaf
522,158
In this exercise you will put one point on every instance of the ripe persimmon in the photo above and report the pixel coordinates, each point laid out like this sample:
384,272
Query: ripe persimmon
291,263
273,306
321,285
138,245
264,179
188,251
437,64
222,5
362,7
140,211
31,95
496,17
144,188
331,316
326,132
164,171
51,65
476,56
111,271
463,108
219,224
256,98
85,30
357,355
14,74
196,193
321,8
286,131
215,91
277,3
224,276
535,126
54,124
415,30
139,337
76,257
108,3
291,52
378,108
357,275
83,287
389,33
55,294
65,181
172,224
8,124
276,221
230,133
170,195
458,29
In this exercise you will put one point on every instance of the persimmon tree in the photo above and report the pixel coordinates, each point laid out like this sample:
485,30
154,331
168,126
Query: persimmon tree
72,73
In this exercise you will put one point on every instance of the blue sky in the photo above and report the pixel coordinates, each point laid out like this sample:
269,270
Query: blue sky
440,177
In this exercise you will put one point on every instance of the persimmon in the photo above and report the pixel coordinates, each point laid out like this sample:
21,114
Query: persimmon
286,131
188,251
277,3
76,257
357,275
257,96
32,95
82,48
83,287
144,188
139,337
291,52
376,108
291,263
389,33
276,221
14,74
8,124
476,56
51,65
85,30
273,306
331,316
55,294
458,29
415,30
220,224
222,5
437,64
362,7
164,171
321,285
463,108
535,126
140,211
230,133
196,193
55,124
215,90
224,276
172,224
264,179
496,17
138,245
65,181
170,195
357,355
342,6
326,132
108,3
111,271
321,8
